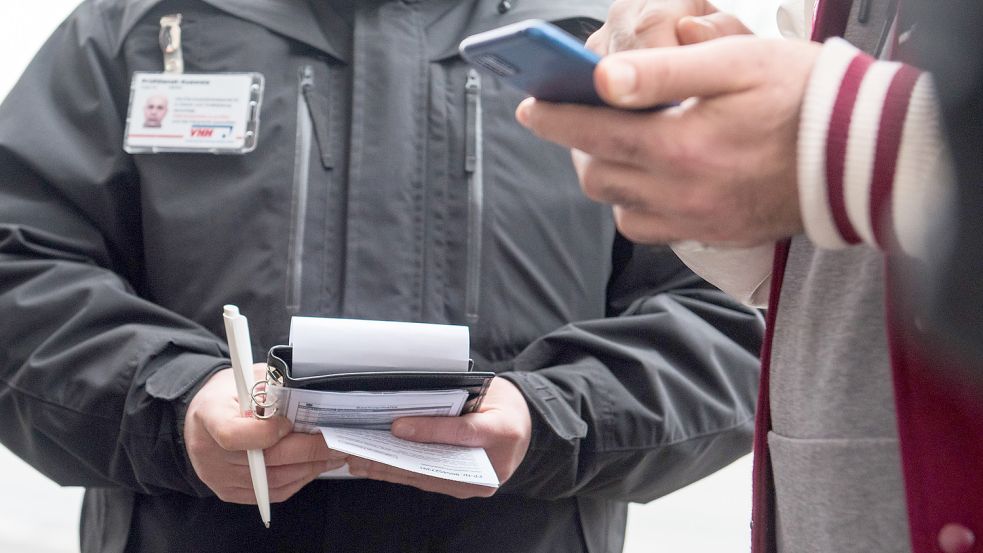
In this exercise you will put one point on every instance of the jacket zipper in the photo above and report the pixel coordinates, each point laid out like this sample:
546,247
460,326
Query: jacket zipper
298,208
474,171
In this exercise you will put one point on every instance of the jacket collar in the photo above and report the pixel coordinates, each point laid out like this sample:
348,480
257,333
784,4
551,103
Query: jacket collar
291,18
296,20
483,15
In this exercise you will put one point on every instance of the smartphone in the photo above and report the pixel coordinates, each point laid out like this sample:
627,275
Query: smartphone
538,58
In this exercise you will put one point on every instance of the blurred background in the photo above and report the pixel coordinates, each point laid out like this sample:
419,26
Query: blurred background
38,516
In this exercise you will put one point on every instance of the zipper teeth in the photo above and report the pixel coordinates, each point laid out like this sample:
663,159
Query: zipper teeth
302,163
473,169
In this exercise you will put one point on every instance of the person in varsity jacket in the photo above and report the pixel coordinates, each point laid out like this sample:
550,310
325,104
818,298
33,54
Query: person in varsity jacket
806,171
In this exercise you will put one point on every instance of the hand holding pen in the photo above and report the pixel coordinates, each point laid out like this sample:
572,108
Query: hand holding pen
217,437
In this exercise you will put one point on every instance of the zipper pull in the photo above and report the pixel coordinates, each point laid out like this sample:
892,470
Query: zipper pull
170,43
472,90
306,78
863,14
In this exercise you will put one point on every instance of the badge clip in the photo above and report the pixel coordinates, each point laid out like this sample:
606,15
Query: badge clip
170,43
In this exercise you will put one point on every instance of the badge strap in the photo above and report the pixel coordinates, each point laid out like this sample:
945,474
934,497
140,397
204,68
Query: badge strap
170,43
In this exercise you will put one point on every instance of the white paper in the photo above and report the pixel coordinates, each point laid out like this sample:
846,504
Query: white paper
462,464
312,409
323,346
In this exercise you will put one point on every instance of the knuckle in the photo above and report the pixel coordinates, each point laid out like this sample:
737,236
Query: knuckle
619,144
628,227
654,17
593,180
621,39
467,432
225,438
314,445
513,434
270,436
683,153
597,41
195,446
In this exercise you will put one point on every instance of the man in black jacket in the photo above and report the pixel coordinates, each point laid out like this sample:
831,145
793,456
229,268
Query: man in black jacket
388,181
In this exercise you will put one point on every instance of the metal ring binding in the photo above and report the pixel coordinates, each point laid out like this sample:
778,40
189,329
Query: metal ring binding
265,407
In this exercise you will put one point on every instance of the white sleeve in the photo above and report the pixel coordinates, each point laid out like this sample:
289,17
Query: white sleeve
794,18
742,273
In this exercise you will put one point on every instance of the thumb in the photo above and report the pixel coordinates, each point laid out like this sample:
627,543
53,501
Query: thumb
691,30
648,78
468,430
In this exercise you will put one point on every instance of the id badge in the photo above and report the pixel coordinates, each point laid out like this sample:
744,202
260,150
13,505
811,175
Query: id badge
214,113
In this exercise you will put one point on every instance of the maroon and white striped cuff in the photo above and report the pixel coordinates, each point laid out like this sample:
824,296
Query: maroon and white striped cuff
871,160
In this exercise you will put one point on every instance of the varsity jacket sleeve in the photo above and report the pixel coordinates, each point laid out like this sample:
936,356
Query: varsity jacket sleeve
646,401
91,371
873,166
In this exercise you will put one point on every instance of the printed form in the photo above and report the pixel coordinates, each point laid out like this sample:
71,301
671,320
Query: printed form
463,464
358,423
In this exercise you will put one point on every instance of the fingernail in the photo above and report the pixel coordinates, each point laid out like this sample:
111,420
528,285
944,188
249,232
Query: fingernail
404,430
522,112
621,79
284,430
706,29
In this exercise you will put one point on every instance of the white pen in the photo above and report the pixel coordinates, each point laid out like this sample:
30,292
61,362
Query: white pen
237,333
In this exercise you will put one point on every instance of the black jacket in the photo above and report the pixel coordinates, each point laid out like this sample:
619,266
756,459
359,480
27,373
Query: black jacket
384,186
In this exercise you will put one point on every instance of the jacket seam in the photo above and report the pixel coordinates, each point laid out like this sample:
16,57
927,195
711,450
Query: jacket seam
736,425
50,403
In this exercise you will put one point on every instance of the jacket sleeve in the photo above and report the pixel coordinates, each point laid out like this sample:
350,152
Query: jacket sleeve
658,395
873,166
92,374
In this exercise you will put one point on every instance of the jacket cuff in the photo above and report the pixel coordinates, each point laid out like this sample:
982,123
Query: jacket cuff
871,159
556,432
189,372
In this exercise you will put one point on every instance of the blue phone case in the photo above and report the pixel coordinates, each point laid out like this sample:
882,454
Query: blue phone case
538,58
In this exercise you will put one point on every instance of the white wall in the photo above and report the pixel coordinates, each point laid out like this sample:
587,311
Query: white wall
37,516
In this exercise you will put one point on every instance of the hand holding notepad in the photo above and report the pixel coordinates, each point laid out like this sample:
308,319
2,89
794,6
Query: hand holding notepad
356,377
501,427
